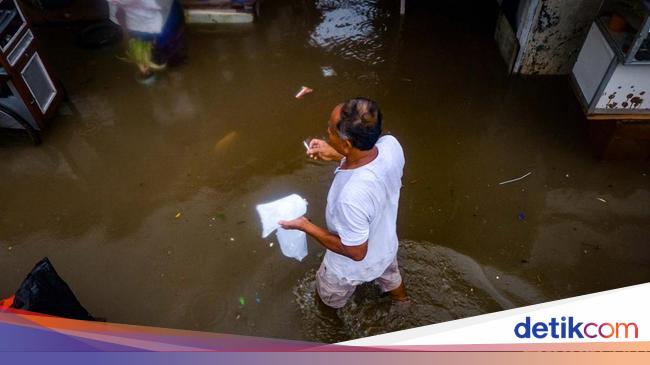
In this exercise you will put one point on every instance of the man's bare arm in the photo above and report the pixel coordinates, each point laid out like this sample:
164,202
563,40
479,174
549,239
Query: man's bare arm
331,241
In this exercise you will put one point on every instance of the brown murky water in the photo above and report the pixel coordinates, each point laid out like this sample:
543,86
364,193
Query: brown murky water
213,138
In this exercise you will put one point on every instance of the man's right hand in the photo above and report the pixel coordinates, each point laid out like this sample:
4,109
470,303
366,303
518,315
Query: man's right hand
321,150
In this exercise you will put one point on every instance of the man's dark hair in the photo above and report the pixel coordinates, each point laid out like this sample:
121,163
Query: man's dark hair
360,123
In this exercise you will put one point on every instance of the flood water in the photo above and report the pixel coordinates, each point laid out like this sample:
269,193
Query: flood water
213,138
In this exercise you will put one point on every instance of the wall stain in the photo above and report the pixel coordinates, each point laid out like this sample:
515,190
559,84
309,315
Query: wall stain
557,36
631,100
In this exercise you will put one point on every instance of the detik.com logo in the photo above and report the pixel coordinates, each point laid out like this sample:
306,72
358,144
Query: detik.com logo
568,327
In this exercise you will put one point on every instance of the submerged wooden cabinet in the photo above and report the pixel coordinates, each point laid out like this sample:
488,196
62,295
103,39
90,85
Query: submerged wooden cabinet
612,80
27,86
612,73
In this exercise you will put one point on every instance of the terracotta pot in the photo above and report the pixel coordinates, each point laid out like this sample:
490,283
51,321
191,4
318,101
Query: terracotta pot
616,23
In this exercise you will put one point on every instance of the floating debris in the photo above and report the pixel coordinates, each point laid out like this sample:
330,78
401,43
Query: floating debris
328,71
242,301
178,215
303,91
238,316
10,248
232,239
225,141
257,299
602,200
271,244
516,179
521,216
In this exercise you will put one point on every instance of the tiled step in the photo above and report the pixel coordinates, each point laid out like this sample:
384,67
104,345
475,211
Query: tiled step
218,11
214,16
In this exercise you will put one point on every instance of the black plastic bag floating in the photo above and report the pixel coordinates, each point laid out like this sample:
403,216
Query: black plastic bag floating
43,291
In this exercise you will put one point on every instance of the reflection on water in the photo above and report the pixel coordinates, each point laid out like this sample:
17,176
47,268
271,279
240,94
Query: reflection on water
443,285
352,29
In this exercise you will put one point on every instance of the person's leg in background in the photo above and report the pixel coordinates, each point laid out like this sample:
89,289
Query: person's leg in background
170,47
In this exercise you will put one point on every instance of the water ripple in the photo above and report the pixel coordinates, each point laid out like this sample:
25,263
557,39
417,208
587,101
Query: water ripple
443,285
352,29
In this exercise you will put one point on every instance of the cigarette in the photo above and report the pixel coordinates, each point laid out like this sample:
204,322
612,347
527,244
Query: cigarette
306,145
303,91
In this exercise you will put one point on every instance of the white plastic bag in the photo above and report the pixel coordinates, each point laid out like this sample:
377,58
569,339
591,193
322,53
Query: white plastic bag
293,243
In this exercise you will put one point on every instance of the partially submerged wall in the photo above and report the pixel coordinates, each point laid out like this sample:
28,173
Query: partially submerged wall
558,31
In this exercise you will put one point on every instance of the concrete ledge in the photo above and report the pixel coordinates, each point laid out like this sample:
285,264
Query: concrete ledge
217,16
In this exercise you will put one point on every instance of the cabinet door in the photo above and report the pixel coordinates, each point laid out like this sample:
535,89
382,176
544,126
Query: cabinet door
12,24
593,63
39,83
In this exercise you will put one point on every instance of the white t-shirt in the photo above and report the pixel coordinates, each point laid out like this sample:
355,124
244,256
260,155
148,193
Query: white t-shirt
146,16
362,206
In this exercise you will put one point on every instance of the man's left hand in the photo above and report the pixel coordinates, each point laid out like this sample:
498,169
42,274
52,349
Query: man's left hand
298,223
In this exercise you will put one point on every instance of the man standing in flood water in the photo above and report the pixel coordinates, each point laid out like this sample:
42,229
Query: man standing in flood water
361,235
